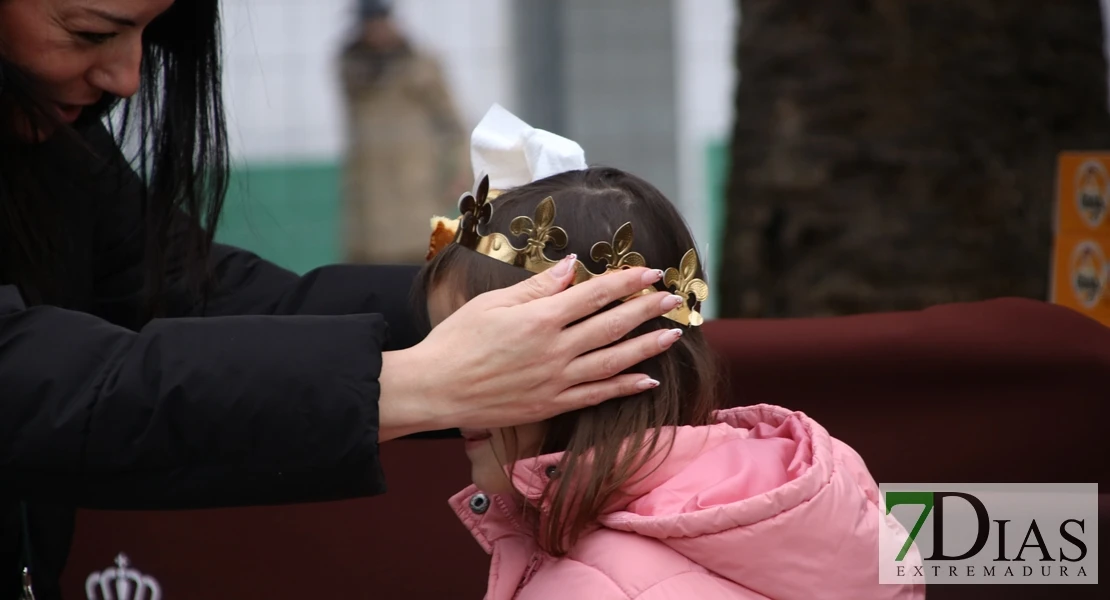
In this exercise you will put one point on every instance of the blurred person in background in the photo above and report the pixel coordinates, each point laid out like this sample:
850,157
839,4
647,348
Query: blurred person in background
408,154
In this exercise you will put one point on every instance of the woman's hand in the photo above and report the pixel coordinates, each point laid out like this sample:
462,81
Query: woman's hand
508,356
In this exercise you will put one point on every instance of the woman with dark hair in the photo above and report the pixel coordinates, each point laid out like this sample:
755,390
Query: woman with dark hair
143,366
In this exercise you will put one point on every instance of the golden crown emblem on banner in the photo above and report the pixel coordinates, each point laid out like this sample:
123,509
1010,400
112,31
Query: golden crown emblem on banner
121,582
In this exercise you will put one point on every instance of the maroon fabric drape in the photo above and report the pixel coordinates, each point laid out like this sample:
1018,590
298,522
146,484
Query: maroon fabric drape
1003,390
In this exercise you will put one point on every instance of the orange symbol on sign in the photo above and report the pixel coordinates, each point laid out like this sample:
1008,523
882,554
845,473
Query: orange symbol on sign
1088,273
1092,191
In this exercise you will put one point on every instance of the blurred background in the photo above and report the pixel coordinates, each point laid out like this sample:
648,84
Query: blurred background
862,156
831,157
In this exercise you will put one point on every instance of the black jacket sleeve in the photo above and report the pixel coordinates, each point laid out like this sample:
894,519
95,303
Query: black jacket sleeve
194,412
266,393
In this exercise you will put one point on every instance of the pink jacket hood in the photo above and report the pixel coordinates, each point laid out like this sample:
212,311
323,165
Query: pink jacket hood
765,499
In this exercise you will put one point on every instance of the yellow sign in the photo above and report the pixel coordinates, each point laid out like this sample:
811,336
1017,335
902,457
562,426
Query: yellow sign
1081,257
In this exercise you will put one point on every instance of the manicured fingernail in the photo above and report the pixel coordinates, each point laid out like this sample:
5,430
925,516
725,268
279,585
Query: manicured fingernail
563,268
647,384
669,337
671,302
652,276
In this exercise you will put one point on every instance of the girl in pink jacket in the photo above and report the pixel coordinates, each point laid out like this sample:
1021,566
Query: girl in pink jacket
660,495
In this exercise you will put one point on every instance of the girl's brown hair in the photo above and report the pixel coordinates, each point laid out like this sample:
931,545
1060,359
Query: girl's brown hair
609,445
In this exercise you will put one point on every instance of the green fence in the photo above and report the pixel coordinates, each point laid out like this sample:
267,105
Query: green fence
287,213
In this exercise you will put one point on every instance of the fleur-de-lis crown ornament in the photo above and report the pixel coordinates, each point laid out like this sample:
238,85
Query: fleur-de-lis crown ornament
540,230
474,210
618,253
682,282
540,233
507,153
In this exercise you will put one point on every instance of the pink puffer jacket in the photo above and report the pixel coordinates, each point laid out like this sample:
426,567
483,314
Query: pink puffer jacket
763,504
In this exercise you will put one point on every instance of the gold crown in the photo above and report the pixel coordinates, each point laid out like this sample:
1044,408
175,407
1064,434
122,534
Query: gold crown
540,231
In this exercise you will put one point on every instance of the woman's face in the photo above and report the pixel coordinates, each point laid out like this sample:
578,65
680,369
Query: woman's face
77,50
488,449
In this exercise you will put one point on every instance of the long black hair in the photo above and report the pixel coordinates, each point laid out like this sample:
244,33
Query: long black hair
177,120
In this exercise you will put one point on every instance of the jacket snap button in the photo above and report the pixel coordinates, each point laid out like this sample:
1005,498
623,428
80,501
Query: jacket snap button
550,471
479,504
